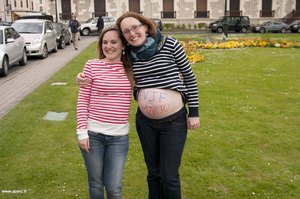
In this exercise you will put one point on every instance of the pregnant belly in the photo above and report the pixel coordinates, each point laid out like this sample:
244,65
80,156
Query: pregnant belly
158,103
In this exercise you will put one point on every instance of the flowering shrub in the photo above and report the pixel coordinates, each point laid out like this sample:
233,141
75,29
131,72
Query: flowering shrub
192,48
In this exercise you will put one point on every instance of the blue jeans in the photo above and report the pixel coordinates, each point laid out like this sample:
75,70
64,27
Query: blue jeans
163,142
105,164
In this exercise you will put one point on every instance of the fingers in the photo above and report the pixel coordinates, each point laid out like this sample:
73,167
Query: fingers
82,80
81,75
193,123
84,145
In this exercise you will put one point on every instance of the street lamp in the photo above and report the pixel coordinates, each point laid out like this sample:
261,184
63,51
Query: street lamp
225,21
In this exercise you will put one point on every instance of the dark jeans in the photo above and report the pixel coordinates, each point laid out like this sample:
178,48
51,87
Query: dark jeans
163,142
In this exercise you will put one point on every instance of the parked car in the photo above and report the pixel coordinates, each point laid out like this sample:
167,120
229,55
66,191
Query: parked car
63,35
235,23
158,23
89,26
295,27
5,23
270,26
12,49
39,34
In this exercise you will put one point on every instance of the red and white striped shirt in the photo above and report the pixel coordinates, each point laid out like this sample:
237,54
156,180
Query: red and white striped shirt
103,105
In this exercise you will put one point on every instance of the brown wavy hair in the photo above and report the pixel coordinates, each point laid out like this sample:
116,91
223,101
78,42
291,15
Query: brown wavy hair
144,20
124,57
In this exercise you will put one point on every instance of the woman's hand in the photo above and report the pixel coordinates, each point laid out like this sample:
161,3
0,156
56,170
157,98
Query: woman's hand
85,144
82,80
193,123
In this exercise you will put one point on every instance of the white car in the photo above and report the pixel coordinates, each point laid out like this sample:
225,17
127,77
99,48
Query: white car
39,34
89,26
12,49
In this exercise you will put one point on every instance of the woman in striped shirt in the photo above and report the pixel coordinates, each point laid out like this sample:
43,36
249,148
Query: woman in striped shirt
102,115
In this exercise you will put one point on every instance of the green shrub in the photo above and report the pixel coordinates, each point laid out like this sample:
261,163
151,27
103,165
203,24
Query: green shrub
202,25
169,25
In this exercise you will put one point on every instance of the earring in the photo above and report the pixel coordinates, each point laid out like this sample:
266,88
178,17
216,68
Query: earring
146,34
123,52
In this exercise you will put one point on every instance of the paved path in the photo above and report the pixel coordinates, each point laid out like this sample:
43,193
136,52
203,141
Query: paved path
24,80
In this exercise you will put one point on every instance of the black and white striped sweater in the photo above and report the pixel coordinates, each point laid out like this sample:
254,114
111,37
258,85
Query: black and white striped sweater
162,71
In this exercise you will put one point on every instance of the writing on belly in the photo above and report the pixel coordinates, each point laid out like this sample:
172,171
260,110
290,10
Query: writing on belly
154,102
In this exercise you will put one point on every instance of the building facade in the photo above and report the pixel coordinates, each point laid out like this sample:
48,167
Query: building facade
176,12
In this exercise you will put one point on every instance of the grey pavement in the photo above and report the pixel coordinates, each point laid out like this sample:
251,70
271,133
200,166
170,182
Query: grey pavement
24,80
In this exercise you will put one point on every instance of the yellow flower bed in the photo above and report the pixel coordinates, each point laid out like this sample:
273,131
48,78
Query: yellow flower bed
192,48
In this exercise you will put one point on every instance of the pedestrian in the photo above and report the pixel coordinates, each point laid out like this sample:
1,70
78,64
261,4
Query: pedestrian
75,25
102,115
100,24
162,120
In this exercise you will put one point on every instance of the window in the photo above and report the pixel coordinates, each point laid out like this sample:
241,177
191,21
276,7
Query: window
168,9
201,12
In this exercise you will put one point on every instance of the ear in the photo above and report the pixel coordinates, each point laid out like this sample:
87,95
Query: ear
146,28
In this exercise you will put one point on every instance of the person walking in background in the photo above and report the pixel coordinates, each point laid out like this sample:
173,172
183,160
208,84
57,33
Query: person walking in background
161,120
100,24
102,115
74,25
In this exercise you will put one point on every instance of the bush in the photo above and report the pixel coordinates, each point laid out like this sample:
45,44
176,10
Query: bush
202,25
169,25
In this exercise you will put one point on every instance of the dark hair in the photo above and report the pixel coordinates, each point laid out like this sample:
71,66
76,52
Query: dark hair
144,20
124,57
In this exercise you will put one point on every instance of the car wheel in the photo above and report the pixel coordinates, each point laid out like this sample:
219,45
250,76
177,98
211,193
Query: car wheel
23,61
45,52
62,43
85,32
262,30
5,65
283,30
244,30
298,30
220,30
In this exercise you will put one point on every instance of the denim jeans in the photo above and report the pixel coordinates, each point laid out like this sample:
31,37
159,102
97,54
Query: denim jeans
163,142
105,164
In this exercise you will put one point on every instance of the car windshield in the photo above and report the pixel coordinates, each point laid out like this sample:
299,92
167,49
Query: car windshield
295,22
89,20
266,23
1,36
35,28
57,27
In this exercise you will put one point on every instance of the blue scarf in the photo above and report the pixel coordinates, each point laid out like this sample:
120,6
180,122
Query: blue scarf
147,50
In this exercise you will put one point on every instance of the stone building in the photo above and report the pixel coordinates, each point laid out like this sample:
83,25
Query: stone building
175,12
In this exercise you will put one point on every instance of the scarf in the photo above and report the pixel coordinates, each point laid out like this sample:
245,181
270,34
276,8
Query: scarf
147,50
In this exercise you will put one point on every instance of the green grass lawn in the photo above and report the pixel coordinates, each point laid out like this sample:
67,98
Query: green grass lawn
247,146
